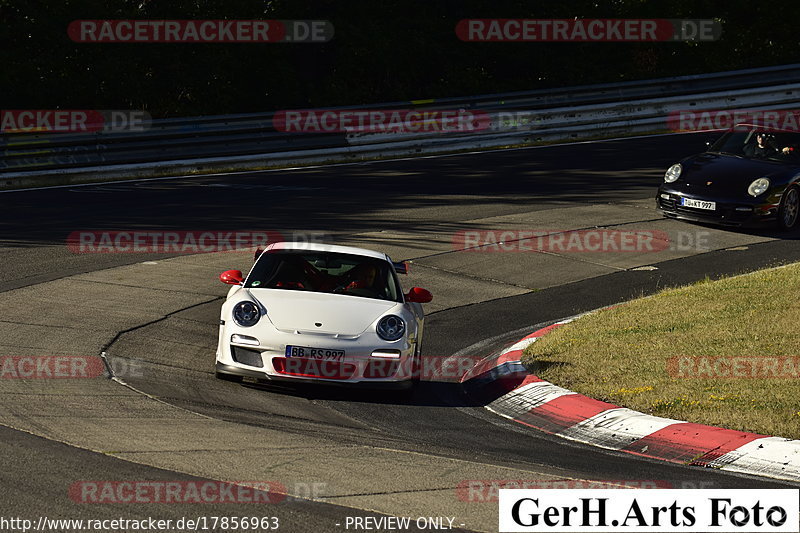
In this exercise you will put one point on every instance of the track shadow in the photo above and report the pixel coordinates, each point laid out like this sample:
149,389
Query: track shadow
536,367
425,393
768,232
476,392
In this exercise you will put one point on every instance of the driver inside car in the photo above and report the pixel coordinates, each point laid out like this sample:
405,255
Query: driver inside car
763,146
364,275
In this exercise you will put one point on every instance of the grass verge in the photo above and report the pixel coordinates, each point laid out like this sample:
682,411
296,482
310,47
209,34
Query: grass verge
724,353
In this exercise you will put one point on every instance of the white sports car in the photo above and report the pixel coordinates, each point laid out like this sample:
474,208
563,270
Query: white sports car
314,312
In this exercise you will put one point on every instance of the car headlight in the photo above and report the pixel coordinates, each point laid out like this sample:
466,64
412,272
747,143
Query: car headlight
758,187
673,173
391,328
246,313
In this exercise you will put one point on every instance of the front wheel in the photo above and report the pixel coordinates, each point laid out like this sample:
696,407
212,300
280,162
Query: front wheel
416,368
789,209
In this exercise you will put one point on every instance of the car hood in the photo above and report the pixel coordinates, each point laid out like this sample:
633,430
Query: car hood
302,311
718,173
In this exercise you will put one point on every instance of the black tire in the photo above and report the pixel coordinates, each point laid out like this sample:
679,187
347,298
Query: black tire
408,389
228,377
789,210
416,369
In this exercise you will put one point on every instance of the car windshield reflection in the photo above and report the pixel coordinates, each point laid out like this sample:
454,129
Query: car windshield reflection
755,143
325,272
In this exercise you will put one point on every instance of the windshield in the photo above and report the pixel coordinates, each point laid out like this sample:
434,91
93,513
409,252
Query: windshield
754,143
335,273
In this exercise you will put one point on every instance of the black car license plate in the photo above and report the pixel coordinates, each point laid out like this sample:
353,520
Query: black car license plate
314,353
698,204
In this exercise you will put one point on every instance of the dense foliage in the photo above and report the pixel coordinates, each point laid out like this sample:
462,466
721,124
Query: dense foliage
383,50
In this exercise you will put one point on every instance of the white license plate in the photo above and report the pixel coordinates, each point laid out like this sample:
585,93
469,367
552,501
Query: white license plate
314,353
698,204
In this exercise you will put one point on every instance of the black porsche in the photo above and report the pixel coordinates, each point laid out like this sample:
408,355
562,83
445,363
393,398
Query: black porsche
750,176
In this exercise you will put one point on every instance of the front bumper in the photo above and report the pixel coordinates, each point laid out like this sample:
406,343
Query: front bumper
362,362
223,368
727,212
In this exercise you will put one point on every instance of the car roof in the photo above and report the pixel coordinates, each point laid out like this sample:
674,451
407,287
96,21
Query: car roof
334,248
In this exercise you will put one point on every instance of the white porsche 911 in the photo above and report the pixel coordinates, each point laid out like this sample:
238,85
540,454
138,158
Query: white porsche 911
316,312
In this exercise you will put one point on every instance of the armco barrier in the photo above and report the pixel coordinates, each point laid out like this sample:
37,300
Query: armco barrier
242,142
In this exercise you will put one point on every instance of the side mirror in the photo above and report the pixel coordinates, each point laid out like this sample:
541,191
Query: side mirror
232,277
419,295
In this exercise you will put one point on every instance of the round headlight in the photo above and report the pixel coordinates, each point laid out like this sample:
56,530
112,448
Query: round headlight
246,314
758,187
673,173
391,328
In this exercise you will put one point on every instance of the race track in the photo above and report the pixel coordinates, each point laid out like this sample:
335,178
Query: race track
366,452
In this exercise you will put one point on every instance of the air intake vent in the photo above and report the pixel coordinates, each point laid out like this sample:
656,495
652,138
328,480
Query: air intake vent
247,356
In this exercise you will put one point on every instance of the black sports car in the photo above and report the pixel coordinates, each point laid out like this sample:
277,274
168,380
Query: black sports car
749,176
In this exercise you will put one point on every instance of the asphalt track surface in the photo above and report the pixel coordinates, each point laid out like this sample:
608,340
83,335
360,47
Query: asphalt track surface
405,195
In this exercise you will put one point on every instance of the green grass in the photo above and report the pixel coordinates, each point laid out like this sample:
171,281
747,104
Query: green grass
621,355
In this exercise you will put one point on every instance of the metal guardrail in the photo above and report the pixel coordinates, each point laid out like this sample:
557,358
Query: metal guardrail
251,140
